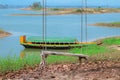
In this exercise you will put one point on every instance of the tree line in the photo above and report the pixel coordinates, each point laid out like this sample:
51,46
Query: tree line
36,5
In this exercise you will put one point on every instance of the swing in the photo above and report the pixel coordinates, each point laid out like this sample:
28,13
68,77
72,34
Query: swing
44,53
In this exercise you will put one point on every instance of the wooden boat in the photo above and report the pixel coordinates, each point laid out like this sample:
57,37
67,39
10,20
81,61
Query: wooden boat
51,43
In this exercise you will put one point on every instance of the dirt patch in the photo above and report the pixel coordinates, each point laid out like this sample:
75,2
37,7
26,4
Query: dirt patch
0,78
98,70
116,47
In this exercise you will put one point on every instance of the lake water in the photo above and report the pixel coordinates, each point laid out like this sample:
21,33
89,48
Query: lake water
57,26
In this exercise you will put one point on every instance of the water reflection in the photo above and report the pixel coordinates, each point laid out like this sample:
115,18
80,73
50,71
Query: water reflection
28,51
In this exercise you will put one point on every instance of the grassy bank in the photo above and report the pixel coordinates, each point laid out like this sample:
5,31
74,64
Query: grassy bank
111,41
9,64
15,63
90,50
108,50
94,49
112,24
100,52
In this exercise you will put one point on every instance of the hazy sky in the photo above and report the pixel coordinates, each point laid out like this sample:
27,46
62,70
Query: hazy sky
62,2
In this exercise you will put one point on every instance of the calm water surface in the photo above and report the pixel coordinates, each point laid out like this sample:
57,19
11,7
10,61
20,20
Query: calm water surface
57,26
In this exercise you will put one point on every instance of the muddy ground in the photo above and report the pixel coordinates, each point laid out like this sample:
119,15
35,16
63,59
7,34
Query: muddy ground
97,70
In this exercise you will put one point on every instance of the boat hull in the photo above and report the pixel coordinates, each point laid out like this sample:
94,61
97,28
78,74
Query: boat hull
52,46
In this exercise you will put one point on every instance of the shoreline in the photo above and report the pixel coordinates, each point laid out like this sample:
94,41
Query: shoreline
112,24
63,11
4,34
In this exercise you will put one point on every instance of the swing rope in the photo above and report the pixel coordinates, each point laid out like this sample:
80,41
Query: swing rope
82,22
44,23
82,3
84,27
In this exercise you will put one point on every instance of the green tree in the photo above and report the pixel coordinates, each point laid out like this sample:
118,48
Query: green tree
36,5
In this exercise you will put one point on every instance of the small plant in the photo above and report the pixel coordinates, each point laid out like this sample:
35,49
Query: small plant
78,10
99,7
55,9
36,6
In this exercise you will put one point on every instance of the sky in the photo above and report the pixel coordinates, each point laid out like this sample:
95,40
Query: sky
63,2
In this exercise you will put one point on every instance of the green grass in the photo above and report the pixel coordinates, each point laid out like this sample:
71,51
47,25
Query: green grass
94,49
90,50
17,63
111,41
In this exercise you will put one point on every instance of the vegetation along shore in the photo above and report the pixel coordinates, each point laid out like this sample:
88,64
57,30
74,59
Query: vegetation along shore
112,24
36,6
105,56
4,33
62,11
